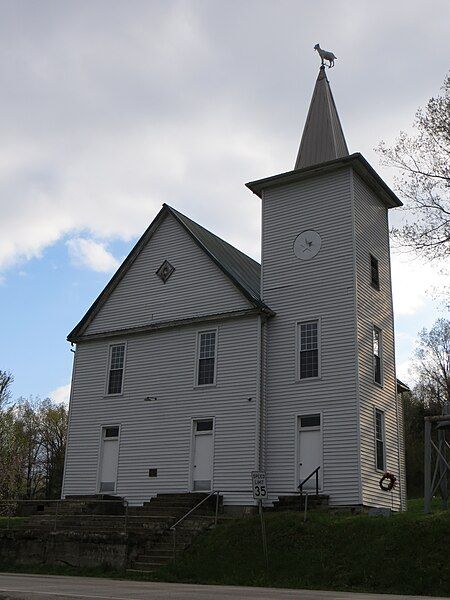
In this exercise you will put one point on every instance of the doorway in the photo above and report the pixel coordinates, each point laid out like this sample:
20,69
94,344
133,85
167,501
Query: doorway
202,455
109,459
310,454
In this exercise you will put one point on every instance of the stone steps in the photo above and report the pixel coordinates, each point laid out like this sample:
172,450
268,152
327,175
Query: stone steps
298,503
160,551
145,529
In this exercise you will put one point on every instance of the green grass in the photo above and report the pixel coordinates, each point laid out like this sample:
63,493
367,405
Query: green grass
405,554
6,522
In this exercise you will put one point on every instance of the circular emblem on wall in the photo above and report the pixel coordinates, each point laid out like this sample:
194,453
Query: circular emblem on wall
307,244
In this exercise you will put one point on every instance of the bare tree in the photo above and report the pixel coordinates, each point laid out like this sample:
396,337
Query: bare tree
6,379
432,364
424,180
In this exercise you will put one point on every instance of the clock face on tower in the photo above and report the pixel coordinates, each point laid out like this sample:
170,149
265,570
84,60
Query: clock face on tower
307,244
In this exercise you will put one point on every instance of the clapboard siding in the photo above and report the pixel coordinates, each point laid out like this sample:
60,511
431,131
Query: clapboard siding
158,433
374,307
197,286
297,290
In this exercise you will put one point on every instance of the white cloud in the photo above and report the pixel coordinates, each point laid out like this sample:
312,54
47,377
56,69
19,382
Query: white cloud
102,122
89,253
61,395
413,282
404,372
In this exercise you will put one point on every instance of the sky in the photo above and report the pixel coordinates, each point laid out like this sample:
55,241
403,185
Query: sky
110,108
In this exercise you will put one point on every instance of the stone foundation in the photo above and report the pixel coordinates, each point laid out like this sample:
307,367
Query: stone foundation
77,549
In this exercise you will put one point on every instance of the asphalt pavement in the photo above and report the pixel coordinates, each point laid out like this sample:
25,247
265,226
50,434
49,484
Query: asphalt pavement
15,586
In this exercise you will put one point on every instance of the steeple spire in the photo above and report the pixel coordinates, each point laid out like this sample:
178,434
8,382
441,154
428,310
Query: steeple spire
323,138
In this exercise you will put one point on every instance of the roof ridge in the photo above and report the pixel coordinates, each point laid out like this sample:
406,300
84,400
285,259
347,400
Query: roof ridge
208,231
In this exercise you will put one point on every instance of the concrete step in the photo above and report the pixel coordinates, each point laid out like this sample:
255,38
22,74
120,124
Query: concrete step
158,510
297,503
141,570
157,559
147,566
157,553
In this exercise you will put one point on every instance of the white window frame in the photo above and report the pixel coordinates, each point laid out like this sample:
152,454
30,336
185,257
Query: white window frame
197,357
380,349
108,368
194,433
104,426
383,429
317,320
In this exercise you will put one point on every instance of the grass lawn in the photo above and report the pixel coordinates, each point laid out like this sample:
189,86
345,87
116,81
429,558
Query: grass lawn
11,522
407,553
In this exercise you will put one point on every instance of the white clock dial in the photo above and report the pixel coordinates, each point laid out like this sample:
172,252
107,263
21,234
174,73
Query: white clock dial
307,244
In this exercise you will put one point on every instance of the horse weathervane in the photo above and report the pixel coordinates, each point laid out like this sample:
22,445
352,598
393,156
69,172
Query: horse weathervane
325,55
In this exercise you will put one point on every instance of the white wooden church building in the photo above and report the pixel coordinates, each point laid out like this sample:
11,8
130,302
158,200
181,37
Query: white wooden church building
197,365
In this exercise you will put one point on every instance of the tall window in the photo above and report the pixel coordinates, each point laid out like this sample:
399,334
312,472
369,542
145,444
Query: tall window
380,460
116,364
308,347
206,362
374,273
377,355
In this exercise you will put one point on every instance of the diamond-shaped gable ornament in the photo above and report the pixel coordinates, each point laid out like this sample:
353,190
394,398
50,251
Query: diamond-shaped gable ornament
165,271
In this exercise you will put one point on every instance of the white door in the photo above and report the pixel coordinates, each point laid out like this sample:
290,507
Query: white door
202,456
109,459
309,450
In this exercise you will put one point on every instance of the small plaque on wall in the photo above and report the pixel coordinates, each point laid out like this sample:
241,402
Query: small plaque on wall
153,472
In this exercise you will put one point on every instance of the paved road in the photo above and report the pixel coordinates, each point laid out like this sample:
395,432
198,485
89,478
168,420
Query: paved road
39,587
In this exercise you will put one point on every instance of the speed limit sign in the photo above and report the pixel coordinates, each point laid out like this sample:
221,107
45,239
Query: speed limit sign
259,485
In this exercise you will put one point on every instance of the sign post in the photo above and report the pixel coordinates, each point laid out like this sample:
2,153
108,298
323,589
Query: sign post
259,488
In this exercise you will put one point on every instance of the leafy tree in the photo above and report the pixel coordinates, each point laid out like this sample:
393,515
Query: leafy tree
424,181
54,422
32,445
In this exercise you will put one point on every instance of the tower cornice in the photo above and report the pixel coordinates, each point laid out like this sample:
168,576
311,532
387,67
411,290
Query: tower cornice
356,161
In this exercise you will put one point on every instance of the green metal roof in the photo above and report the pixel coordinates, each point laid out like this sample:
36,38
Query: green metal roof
242,270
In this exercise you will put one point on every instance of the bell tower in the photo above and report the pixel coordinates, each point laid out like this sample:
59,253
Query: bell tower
330,398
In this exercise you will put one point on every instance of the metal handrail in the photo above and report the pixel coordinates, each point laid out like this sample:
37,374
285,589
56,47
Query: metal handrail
173,528
302,483
175,525
316,473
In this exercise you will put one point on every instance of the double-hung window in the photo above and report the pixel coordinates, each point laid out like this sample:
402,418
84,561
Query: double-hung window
308,349
380,452
206,357
116,367
377,356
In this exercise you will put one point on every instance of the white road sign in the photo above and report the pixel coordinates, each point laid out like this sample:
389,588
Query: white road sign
259,485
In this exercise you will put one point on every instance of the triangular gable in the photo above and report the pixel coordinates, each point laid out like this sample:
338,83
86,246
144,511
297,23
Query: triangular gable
235,267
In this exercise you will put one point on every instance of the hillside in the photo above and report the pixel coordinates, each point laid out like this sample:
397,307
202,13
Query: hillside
405,554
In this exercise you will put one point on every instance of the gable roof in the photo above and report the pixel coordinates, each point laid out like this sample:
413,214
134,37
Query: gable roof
323,138
243,271
240,268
